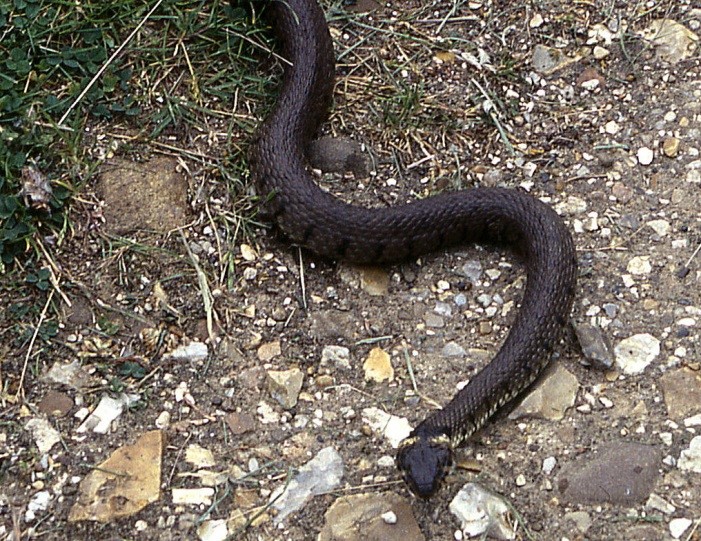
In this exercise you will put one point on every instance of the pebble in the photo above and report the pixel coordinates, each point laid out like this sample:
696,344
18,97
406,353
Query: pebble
660,504
194,351
639,265
481,512
453,349
391,427
284,386
378,366
549,464
337,356
268,351
635,353
433,321
677,527
443,309
670,147
661,227
645,156
374,280
581,519
600,52
472,270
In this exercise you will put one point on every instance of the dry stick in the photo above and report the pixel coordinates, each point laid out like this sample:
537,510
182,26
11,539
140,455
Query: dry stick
106,64
490,110
205,291
301,279
20,389
693,255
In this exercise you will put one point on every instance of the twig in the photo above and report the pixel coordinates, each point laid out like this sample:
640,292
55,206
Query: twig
205,291
301,279
20,387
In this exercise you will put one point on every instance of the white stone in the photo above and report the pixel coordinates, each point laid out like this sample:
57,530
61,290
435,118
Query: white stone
639,265
480,511
661,227
389,517
393,428
549,464
693,421
194,351
690,459
677,526
645,156
612,127
635,353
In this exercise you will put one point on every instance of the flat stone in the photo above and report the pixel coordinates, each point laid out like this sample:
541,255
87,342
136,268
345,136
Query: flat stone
240,423
336,356
267,352
55,403
144,195
321,474
620,473
330,324
362,517
682,392
374,280
551,398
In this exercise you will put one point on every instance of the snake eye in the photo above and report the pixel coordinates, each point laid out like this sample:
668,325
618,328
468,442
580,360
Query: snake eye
424,463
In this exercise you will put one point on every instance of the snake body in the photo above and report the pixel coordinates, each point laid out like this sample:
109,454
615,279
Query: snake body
313,218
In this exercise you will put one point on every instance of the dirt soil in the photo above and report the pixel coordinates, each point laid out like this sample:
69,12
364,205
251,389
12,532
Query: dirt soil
609,134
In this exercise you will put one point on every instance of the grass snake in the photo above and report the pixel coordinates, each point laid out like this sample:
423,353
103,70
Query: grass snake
315,219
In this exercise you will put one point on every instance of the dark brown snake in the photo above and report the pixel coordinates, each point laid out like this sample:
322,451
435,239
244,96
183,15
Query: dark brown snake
316,220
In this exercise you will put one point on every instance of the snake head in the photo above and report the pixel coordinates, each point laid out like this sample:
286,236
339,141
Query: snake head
424,461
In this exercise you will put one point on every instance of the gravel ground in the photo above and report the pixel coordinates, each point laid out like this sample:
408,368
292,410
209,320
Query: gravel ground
232,360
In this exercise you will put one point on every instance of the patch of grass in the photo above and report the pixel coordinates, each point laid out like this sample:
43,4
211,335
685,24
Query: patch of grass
60,78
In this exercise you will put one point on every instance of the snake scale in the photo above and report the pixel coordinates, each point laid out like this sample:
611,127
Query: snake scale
315,219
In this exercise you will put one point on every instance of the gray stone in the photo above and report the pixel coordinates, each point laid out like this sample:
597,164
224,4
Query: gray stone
472,270
338,155
336,356
453,349
333,324
581,520
595,345
620,473
362,517
321,474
